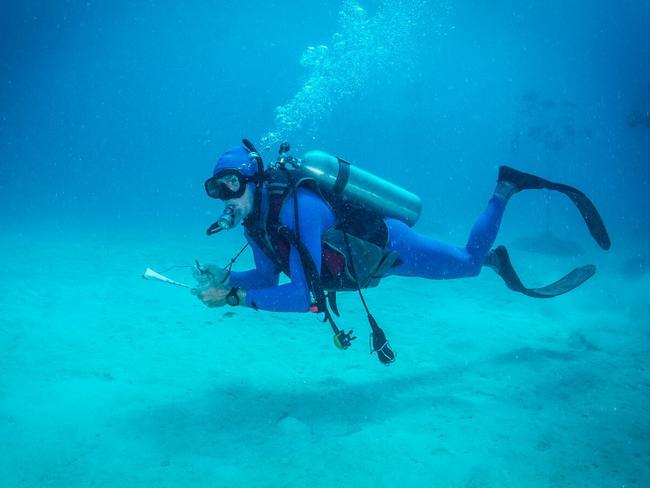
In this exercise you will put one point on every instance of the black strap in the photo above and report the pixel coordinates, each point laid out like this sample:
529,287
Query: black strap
295,206
311,273
331,301
342,177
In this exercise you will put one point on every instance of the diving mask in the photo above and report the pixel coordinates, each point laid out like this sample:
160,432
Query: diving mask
227,185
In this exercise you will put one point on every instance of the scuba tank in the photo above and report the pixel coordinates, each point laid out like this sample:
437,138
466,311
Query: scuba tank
350,183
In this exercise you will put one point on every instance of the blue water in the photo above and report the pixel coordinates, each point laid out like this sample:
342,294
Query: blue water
112,115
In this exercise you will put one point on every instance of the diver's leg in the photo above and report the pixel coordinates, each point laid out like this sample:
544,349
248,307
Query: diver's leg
485,230
429,258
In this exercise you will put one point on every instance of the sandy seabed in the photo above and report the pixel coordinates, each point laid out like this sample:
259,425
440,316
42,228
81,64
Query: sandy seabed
109,380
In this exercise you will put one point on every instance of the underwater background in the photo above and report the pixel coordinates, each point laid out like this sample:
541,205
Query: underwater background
112,115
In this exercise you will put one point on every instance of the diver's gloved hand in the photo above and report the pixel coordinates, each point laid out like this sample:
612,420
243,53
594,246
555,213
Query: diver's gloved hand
212,296
210,275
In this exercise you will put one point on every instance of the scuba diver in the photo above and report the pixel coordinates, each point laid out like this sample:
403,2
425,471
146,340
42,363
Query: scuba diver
331,226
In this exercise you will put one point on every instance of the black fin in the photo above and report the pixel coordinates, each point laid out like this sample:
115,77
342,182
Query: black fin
589,213
499,260
527,181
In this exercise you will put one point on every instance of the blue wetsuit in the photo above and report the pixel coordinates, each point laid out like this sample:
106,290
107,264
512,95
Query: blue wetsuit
420,256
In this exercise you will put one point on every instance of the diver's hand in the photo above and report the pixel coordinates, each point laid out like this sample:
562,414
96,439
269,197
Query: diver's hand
212,296
211,275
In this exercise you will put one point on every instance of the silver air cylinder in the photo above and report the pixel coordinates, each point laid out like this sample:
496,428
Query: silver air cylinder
360,187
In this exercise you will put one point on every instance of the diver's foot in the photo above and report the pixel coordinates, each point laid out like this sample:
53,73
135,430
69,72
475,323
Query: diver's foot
492,261
511,181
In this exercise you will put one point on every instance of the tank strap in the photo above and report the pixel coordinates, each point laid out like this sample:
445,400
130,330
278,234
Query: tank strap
342,177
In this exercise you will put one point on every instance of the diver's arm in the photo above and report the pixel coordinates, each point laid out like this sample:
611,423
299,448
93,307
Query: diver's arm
290,297
315,218
263,276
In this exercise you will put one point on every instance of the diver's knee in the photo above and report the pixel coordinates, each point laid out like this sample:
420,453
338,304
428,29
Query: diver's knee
472,269
465,270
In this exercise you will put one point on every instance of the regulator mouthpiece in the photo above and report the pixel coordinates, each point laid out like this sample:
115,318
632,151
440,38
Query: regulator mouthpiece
227,219
225,222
